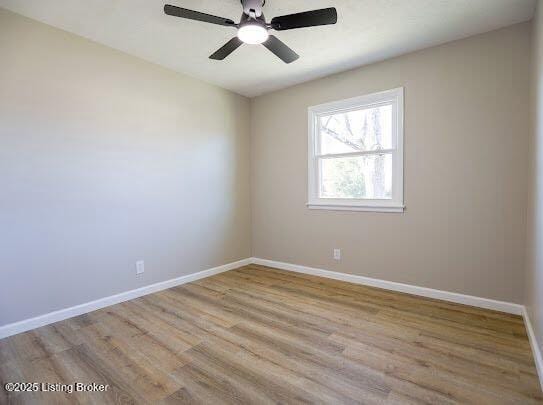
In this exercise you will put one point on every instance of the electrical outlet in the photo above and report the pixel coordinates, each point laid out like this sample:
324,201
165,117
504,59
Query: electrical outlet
337,254
140,266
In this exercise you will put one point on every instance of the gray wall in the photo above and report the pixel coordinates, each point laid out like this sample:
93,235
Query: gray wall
534,275
104,160
466,137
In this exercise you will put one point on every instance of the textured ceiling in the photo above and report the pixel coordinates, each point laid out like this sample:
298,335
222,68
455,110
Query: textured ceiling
367,31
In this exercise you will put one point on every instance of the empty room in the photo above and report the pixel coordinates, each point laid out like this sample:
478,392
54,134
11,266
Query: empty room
271,202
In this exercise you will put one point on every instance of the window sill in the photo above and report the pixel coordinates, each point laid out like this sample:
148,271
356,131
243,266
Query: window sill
347,207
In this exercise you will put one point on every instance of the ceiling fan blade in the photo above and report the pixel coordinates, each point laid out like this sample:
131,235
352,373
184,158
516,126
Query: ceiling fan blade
283,52
196,15
324,16
226,49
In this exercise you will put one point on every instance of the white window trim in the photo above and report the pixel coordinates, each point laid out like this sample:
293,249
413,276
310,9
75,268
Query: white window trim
396,204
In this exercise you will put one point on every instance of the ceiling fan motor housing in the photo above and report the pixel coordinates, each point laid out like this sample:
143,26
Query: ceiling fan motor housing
247,19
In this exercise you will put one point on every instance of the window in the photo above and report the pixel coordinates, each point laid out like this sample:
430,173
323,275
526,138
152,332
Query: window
356,153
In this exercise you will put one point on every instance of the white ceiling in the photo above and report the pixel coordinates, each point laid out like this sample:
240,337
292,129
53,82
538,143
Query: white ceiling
367,31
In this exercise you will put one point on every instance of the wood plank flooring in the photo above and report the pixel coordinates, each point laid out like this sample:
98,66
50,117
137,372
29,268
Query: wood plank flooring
258,335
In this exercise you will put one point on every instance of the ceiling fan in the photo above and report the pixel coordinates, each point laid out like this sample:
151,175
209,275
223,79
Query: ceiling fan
253,28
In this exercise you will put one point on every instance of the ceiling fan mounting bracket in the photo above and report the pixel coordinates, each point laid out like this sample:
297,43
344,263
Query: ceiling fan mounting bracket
253,8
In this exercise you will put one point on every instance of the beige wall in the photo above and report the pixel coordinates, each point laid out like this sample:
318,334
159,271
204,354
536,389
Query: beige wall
466,135
534,275
104,160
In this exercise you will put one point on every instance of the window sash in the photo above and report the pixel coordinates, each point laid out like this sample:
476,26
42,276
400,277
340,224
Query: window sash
356,107
319,160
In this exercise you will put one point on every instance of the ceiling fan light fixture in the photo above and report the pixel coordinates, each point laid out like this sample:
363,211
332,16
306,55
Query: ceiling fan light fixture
253,34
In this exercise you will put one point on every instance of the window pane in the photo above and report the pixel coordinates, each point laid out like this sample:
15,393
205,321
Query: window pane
355,131
368,177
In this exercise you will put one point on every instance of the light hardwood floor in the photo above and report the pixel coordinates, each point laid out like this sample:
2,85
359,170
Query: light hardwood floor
260,335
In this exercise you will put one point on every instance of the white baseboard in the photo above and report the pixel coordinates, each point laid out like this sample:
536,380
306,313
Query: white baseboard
486,303
51,317
535,346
